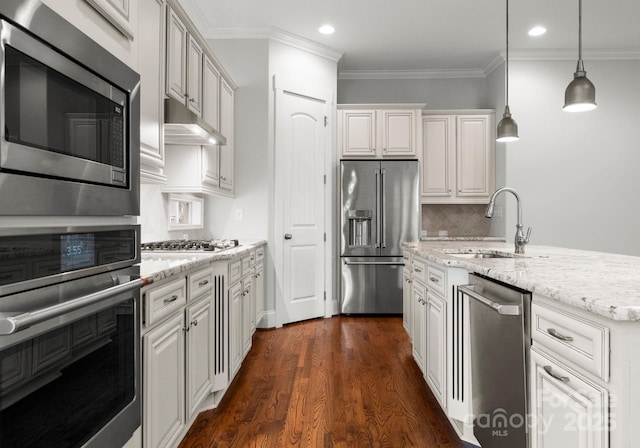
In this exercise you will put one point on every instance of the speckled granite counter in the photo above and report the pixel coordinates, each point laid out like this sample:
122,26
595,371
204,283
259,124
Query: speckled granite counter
602,283
160,265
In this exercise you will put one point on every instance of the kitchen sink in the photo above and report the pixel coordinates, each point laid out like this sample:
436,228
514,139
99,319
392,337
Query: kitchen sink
483,253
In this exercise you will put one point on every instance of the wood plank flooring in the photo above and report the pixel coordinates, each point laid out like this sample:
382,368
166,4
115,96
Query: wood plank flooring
338,382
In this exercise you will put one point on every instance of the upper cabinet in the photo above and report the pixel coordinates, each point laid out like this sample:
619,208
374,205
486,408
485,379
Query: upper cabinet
151,42
458,156
379,130
195,78
227,129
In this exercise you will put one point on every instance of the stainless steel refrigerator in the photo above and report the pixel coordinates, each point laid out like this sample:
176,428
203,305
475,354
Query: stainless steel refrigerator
380,208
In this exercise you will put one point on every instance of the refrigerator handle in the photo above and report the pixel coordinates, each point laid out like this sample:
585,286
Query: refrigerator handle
384,210
378,193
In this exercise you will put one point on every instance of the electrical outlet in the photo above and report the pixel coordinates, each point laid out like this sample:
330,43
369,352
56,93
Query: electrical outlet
238,214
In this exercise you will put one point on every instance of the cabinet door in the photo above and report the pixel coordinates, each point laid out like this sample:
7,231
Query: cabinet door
406,301
194,76
164,383
419,292
235,329
199,324
567,409
176,57
211,93
475,160
151,19
226,128
436,336
358,133
258,292
248,314
438,156
399,133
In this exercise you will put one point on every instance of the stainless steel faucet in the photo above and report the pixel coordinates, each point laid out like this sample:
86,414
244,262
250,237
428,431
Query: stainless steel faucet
520,239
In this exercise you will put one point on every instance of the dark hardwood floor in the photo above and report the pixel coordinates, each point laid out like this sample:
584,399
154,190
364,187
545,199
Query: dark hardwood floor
339,382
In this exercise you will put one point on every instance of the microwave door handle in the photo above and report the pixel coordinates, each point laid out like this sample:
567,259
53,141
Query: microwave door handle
10,324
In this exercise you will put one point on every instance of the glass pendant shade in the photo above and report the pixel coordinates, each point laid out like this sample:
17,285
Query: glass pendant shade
580,95
507,128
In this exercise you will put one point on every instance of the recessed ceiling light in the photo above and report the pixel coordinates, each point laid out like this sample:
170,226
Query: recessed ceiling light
537,31
327,29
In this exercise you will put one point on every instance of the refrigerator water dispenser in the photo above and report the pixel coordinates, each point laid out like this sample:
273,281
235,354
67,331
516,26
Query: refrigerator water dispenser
359,227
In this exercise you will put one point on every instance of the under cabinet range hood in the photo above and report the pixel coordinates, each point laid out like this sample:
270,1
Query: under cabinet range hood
183,127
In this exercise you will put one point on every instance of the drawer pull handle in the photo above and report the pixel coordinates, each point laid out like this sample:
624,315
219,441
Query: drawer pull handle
553,332
173,298
203,283
549,370
418,270
434,279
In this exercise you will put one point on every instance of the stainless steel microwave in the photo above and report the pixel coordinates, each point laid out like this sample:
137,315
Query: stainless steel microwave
69,119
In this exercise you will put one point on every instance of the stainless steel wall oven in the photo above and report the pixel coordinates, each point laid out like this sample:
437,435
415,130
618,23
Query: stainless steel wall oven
70,336
69,119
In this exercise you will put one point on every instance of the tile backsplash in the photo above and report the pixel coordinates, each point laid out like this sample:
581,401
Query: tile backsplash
456,219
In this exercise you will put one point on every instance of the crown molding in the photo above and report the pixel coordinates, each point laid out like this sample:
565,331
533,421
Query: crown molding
410,74
276,35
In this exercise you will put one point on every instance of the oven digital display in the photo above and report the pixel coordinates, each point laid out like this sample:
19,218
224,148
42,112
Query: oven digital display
77,251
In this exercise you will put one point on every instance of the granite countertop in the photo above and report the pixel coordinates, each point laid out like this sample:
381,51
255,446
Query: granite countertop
160,265
463,238
602,283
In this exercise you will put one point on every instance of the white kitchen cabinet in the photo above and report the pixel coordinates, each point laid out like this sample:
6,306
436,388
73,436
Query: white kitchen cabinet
194,75
436,346
164,393
458,156
235,329
151,41
248,314
211,93
176,60
227,98
178,354
419,294
567,408
379,130
259,292
407,307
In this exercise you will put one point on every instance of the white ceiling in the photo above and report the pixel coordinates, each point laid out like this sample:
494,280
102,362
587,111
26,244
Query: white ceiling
429,35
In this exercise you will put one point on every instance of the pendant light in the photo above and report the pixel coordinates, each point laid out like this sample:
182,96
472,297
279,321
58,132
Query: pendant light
507,128
581,93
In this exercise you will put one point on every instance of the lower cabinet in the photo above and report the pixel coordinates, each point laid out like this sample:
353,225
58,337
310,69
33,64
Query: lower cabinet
419,294
567,409
435,369
407,315
197,327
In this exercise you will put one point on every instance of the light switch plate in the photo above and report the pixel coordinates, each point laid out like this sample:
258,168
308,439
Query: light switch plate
238,214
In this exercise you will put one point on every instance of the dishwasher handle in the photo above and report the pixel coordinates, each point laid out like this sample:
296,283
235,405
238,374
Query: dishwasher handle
500,308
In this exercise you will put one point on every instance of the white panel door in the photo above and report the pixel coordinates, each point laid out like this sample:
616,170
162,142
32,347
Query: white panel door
438,159
300,149
473,155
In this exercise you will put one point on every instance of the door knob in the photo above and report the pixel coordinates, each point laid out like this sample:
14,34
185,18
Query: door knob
288,236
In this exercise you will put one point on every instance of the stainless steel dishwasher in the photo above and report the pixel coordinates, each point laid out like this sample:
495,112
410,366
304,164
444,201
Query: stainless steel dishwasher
499,349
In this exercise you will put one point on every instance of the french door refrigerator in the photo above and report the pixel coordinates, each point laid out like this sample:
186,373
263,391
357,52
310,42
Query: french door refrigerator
380,206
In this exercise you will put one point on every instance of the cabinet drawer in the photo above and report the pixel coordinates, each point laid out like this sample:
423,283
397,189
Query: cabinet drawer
574,338
436,280
252,258
259,254
235,271
164,300
419,269
200,283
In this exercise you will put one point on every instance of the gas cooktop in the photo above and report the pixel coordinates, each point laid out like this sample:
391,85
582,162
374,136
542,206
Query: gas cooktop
189,245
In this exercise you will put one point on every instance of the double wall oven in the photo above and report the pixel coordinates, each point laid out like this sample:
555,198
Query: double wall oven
70,291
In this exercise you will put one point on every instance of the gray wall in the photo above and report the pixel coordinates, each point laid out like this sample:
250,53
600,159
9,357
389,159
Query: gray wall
463,93
577,172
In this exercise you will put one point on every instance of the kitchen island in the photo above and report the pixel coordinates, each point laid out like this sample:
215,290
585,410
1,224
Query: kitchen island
583,325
